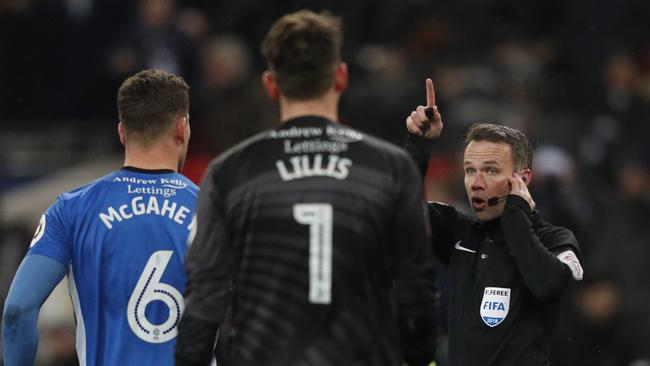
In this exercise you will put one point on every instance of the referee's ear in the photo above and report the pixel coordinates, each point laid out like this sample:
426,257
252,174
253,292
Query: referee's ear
270,85
527,176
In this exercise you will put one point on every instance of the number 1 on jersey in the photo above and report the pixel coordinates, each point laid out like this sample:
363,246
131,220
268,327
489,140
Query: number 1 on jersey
319,218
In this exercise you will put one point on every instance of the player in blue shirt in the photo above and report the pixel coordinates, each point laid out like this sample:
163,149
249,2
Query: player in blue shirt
120,239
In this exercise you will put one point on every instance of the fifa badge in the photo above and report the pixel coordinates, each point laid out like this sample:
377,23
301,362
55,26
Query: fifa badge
495,305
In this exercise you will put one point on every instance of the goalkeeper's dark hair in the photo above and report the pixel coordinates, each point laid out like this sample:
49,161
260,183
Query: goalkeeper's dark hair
303,50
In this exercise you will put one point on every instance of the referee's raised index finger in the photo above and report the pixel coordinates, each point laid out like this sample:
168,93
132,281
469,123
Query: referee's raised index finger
431,94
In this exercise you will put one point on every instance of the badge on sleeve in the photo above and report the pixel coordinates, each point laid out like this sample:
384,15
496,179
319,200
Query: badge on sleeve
40,230
495,305
569,258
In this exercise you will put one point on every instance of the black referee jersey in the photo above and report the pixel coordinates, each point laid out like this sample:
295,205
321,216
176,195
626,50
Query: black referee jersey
505,283
311,249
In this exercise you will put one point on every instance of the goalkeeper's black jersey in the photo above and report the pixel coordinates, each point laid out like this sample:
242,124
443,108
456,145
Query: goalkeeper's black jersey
311,249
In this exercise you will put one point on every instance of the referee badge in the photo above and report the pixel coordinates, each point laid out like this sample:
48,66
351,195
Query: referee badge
495,305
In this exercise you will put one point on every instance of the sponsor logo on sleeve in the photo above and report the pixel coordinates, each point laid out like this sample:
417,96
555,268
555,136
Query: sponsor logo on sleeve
495,305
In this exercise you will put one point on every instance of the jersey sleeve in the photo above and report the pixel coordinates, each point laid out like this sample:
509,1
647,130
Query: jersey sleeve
51,238
419,148
209,265
545,275
444,218
34,281
417,295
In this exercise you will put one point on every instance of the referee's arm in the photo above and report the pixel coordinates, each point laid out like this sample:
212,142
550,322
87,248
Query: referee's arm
545,275
208,265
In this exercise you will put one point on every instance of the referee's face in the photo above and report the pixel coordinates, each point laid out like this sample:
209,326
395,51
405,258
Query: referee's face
487,168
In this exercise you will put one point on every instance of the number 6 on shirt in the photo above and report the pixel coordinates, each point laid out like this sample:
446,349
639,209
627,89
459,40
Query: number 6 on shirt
148,289
319,218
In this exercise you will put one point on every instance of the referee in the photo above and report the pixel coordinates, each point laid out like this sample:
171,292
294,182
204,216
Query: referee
311,246
508,268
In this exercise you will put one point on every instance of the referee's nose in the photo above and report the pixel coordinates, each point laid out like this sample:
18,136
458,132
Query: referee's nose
478,181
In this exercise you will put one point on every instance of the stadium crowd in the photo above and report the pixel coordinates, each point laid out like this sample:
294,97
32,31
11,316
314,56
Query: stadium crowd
574,77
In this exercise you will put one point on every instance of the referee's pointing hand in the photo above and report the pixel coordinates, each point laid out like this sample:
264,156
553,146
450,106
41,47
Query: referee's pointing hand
426,120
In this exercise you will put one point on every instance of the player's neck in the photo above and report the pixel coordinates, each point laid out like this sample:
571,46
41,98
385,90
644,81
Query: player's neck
326,106
154,158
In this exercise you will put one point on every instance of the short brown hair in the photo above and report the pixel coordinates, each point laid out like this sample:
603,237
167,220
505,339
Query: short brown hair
522,152
149,101
302,50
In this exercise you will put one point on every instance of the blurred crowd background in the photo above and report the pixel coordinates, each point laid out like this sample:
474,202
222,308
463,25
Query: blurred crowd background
574,75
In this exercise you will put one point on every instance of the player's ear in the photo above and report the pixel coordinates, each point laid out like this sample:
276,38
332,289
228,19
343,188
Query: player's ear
270,85
181,129
121,132
341,82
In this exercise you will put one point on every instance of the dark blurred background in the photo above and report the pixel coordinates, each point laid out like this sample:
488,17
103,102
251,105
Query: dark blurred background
573,75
